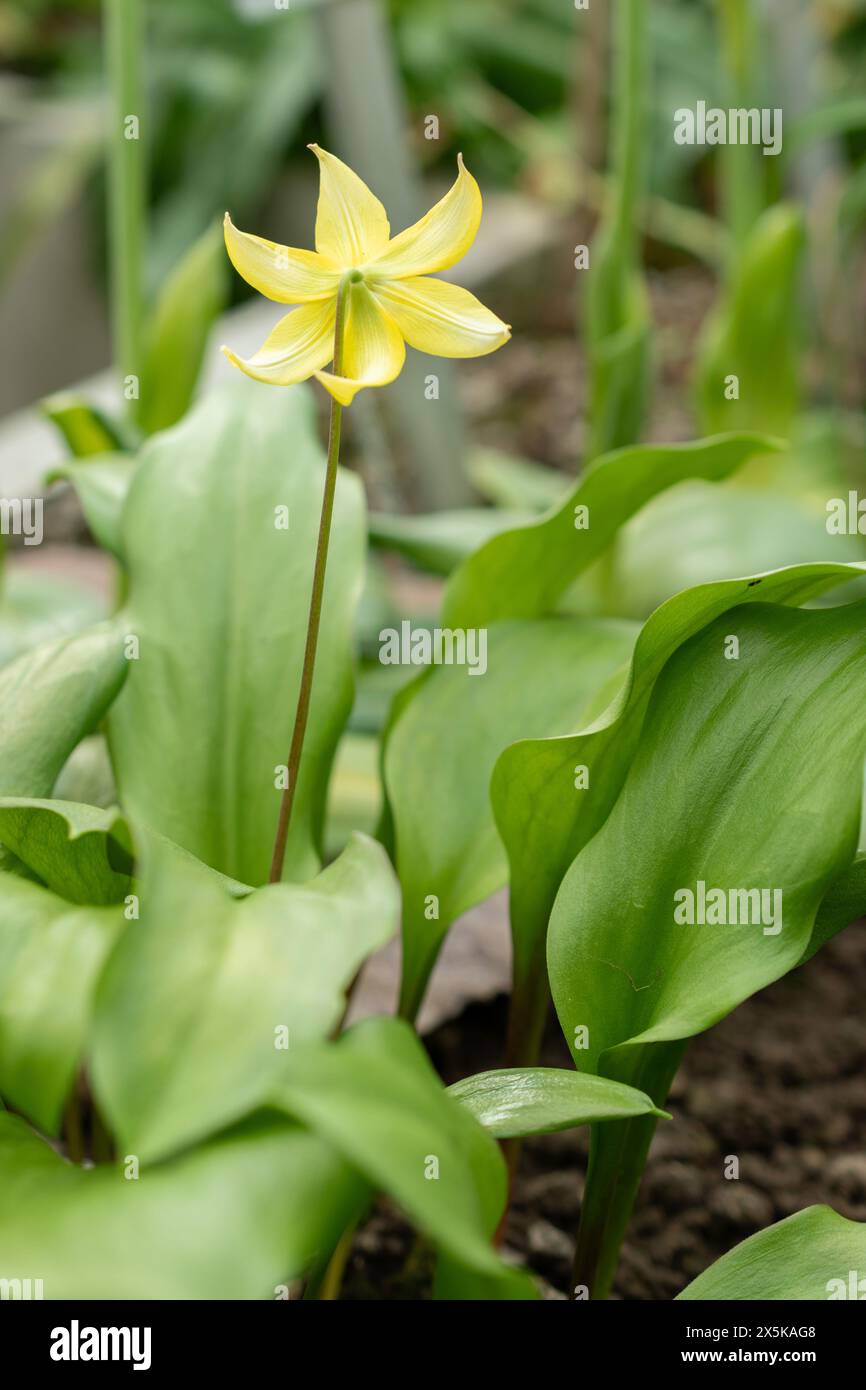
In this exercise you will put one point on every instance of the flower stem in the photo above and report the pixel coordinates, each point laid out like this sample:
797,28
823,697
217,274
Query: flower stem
303,710
126,183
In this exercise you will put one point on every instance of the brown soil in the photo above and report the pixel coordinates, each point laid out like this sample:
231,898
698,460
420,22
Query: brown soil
781,1084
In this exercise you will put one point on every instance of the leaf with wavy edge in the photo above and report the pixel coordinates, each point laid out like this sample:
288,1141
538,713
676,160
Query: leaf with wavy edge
80,852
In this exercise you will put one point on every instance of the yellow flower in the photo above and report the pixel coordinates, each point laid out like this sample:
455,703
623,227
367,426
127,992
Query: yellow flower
383,283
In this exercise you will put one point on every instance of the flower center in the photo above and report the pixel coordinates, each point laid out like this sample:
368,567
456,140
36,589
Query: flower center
355,277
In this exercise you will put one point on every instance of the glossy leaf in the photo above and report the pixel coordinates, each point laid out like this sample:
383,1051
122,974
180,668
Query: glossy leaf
811,1255
204,1002
219,603
51,954
233,1219
540,1100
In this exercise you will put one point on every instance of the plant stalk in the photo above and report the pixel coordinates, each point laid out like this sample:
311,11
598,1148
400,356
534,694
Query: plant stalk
617,1158
302,712
126,187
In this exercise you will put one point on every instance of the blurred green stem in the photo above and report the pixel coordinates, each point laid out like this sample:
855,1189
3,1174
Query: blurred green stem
126,184
741,174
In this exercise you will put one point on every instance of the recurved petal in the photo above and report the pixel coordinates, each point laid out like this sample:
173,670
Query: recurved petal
373,348
351,224
440,318
280,272
302,342
440,238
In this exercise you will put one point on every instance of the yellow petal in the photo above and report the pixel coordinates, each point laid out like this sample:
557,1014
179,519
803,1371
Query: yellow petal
443,319
373,349
302,342
351,224
440,238
280,272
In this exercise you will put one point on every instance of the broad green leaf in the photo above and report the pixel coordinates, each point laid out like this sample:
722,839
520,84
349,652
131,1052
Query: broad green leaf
49,699
375,1098
80,852
51,954
177,332
85,428
440,541
542,816
769,752
234,1219
101,485
522,573
540,1100
753,334
206,998
541,678
219,602
813,1255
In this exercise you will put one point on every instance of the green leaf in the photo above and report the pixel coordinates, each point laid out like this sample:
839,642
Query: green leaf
101,485
754,332
540,1100
188,1034
85,428
543,819
80,852
808,1256
49,699
219,602
234,1219
450,734
769,754
176,335
51,954
522,573
375,1097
